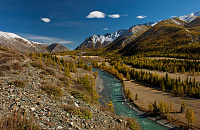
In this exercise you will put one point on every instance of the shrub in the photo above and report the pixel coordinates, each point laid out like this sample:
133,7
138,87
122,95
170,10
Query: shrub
17,83
50,71
64,80
17,66
1,73
18,121
25,65
5,67
42,76
44,72
37,64
131,123
80,95
52,90
81,112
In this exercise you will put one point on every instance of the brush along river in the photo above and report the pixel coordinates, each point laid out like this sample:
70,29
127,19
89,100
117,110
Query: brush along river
110,88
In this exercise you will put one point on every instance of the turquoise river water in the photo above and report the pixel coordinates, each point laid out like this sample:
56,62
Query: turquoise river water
112,91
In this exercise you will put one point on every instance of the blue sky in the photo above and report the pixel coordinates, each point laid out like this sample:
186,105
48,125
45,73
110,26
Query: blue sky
70,22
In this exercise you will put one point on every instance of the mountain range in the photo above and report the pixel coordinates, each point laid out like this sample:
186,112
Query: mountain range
122,38
21,44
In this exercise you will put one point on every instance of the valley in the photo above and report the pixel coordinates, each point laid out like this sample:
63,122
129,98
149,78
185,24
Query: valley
147,71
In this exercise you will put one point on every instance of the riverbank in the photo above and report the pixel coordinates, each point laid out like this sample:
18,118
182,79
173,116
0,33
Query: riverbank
139,109
147,95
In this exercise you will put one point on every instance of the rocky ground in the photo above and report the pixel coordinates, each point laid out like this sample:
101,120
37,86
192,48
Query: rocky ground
47,109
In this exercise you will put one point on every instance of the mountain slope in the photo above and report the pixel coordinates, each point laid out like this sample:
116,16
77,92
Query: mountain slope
189,17
55,47
127,37
18,43
99,41
164,37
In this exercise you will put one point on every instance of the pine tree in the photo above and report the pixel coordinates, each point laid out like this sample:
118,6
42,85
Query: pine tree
190,117
136,96
162,86
150,107
183,106
129,96
190,72
166,108
171,107
128,76
161,106
183,70
193,71
155,108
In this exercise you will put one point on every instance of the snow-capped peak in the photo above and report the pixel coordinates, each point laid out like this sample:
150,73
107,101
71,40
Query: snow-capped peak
107,37
11,37
189,17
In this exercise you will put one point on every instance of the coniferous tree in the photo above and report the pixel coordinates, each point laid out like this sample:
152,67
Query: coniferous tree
190,117
183,70
171,107
136,96
150,107
183,106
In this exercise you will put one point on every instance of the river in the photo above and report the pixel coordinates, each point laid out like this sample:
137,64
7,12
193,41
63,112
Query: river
112,91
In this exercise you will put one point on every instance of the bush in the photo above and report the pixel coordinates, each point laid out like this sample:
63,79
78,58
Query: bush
37,64
1,73
81,112
5,67
50,71
64,80
25,65
17,121
80,95
52,90
17,83
17,66
131,123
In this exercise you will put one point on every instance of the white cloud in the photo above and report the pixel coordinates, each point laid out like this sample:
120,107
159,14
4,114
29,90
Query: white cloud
44,39
141,16
46,20
114,16
173,16
96,14
105,29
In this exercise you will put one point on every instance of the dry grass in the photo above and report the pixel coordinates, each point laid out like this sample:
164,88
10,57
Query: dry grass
81,112
18,121
17,83
1,73
38,64
64,80
52,90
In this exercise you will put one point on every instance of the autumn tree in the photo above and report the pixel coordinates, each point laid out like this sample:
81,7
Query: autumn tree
136,96
150,107
183,106
190,117
171,107
110,105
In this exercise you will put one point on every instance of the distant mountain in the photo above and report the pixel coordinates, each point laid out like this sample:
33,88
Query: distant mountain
131,34
99,41
189,17
177,35
56,47
20,44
